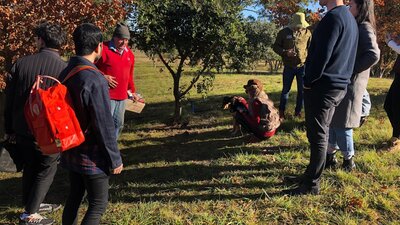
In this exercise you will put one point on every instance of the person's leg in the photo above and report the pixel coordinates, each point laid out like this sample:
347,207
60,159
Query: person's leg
344,137
97,190
395,106
76,193
319,108
299,99
288,76
38,174
118,114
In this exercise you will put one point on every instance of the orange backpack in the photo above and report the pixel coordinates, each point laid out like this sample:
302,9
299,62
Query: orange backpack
50,115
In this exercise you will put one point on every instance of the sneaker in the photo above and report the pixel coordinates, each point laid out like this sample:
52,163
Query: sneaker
48,208
302,190
331,161
348,164
34,219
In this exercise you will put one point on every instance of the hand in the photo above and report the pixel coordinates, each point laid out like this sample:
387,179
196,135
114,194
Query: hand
291,53
388,38
118,170
112,83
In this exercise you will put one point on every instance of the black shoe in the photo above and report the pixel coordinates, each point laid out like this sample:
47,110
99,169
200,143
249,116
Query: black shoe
293,179
348,165
331,161
302,190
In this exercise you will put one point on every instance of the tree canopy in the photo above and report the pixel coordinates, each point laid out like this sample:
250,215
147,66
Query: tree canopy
19,17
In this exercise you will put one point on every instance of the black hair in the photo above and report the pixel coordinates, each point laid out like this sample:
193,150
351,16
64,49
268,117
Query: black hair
86,37
52,35
366,12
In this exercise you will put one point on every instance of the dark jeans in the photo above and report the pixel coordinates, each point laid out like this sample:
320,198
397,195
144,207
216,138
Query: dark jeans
320,104
288,76
38,173
96,187
392,105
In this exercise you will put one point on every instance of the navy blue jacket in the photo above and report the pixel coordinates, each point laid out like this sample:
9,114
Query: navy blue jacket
91,101
333,49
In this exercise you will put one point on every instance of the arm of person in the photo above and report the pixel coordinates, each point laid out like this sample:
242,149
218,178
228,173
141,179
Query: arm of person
324,43
278,44
102,122
394,46
131,83
369,52
11,80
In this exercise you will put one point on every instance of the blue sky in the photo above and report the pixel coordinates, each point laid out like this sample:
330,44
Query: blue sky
251,10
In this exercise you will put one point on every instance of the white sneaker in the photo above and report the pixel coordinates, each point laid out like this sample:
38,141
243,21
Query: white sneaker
48,208
34,219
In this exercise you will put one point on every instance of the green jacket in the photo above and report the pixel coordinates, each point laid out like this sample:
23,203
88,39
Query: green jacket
287,39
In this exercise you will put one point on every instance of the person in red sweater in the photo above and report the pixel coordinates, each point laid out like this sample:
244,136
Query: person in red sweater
117,63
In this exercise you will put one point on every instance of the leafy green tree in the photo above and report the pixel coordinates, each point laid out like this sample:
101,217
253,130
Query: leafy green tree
186,33
259,36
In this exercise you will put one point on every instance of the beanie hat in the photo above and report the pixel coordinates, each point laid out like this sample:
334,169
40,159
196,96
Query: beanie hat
299,21
121,31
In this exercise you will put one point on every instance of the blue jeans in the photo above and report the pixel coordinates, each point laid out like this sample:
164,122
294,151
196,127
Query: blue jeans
341,138
118,113
288,76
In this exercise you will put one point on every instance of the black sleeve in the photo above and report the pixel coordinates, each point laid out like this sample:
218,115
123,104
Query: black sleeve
278,44
11,80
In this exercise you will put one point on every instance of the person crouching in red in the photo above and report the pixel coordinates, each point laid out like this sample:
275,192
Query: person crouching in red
262,118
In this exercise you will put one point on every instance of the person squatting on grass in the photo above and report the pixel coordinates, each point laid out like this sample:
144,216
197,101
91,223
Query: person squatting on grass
38,170
348,113
261,117
117,63
91,163
329,66
392,101
291,44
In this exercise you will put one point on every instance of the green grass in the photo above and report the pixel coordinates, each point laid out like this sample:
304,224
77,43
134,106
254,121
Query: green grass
201,174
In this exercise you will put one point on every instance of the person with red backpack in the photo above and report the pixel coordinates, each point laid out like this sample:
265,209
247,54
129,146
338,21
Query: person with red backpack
38,169
91,163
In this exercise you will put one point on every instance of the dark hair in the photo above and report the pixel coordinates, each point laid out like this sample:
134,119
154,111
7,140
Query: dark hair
366,12
86,37
52,35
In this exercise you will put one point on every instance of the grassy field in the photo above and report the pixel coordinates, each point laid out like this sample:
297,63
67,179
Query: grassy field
200,174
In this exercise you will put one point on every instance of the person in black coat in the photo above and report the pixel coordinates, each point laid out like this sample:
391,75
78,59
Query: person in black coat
39,169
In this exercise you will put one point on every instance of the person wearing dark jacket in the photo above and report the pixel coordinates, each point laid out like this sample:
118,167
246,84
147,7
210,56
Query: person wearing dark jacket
291,44
91,163
39,169
348,114
329,67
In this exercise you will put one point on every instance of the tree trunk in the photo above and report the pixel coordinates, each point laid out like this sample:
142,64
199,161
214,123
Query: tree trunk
177,96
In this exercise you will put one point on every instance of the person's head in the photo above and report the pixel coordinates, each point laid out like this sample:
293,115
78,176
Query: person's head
363,10
121,36
49,36
253,87
298,21
88,39
329,4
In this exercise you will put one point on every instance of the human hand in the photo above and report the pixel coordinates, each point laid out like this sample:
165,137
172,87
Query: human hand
112,83
291,53
118,170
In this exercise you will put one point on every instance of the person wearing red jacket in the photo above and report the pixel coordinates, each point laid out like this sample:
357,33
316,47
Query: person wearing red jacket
117,63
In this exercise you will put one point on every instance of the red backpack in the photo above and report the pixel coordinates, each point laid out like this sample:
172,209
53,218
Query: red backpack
50,115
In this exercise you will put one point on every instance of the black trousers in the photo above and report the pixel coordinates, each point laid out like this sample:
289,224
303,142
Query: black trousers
319,103
96,187
392,105
38,173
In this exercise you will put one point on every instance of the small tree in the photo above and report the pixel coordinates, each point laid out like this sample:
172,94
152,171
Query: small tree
186,33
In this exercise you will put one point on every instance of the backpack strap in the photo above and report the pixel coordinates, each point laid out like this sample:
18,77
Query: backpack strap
77,69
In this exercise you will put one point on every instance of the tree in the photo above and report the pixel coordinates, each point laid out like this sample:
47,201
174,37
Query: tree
19,17
259,36
186,33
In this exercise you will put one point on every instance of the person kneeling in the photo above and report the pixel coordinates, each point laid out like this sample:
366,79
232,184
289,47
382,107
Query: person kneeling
261,117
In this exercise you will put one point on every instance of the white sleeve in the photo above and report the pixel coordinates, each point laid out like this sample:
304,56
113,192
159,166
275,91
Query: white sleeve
393,45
